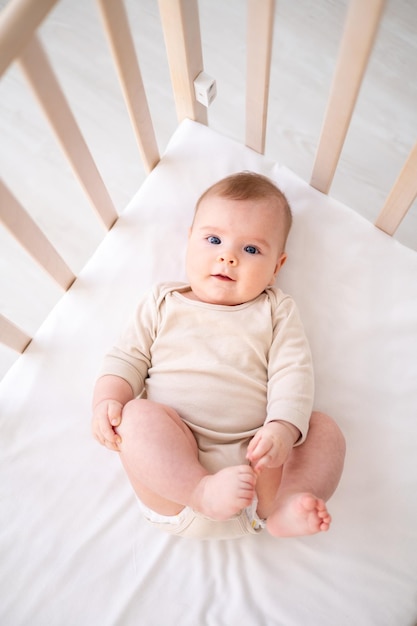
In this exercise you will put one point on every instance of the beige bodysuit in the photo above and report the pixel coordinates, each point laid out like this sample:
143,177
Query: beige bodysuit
225,369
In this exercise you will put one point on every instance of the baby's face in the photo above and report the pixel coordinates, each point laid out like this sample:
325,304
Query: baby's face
234,250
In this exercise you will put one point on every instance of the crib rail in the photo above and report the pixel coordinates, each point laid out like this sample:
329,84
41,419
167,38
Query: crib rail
19,42
19,20
401,196
362,23
121,43
27,232
38,71
180,22
12,336
258,59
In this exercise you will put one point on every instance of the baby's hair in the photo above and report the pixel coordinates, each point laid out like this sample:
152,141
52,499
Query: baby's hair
250,186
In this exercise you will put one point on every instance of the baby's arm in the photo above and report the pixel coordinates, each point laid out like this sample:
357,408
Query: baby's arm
111,393
272,444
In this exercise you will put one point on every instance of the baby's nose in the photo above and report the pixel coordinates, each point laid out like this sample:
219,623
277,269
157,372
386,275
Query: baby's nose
228,258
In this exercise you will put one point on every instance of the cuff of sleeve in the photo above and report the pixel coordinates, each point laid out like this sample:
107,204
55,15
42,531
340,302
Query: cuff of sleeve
295,419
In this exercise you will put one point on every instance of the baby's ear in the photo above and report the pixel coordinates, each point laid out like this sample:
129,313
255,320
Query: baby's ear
280,263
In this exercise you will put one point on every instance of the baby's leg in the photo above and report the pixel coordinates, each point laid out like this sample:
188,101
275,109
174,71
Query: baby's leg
160,456
309,478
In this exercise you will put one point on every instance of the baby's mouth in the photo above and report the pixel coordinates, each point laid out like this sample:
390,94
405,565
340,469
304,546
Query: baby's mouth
223,277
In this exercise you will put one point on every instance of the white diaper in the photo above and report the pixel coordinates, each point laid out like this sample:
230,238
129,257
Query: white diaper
189,523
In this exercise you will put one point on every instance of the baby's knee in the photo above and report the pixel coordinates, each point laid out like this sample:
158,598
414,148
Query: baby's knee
135,407
134,413
139,408
140,414
328,428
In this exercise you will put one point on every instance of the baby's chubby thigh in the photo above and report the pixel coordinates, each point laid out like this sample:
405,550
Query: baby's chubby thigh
147,422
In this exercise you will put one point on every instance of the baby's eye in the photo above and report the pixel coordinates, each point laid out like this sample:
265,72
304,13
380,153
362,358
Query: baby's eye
214,240
251,249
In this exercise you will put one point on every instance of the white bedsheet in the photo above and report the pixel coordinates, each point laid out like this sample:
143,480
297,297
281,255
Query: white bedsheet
74,549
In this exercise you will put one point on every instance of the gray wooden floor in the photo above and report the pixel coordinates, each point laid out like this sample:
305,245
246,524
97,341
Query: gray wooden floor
307,33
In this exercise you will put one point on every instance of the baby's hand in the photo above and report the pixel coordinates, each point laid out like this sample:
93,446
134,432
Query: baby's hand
271,445
107,415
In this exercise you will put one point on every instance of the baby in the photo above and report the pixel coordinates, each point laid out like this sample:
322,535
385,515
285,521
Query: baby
208,396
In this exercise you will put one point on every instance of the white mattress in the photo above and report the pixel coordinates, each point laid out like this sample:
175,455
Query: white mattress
74,549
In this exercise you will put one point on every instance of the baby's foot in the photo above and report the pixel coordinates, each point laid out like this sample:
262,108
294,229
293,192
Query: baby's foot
299,514
222,495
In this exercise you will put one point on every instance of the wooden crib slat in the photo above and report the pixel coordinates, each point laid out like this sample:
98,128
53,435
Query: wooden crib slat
29,235
181,26
123,51
401,197
41,78
18,21
260,22
357,41
13,336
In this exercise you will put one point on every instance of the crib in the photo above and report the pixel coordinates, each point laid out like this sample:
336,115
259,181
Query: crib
74,547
